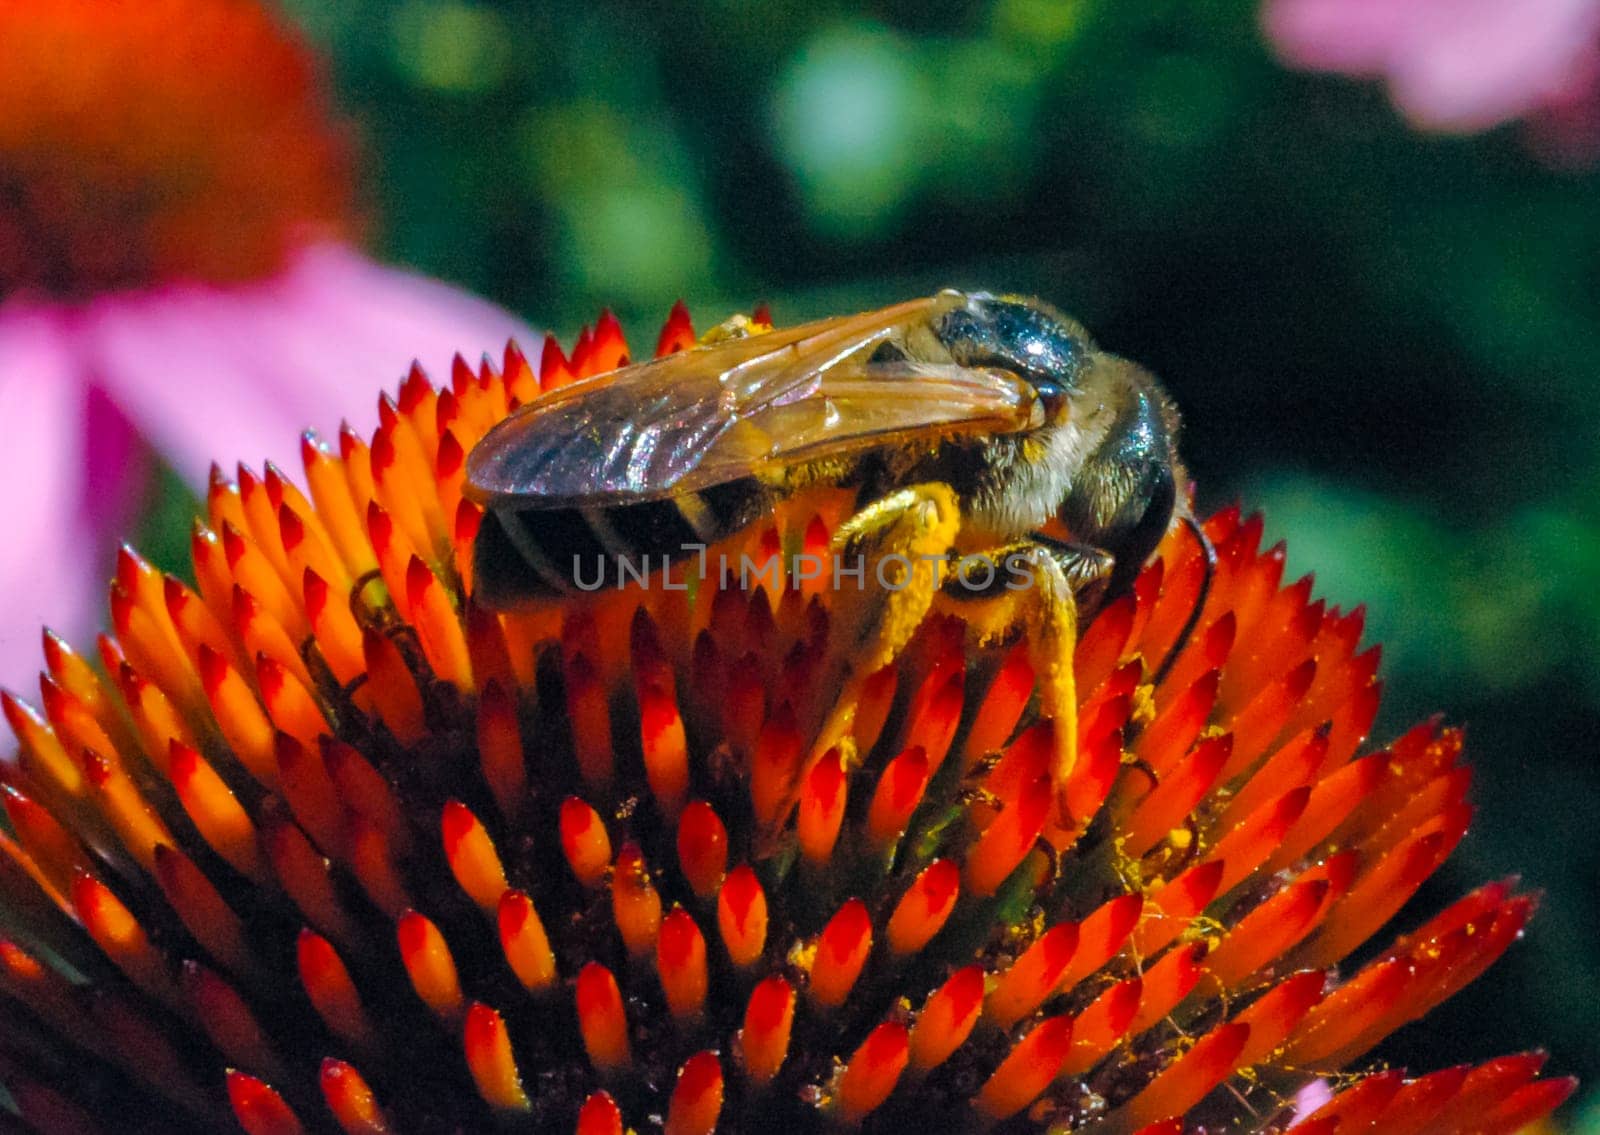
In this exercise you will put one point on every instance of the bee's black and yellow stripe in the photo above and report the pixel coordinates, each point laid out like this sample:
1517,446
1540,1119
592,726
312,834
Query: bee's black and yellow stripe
531,552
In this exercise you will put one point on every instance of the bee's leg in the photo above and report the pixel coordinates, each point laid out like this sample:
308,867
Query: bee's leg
1087,568
1035,587
888,561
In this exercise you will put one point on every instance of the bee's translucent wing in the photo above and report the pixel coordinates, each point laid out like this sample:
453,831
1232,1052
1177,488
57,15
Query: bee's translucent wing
744,407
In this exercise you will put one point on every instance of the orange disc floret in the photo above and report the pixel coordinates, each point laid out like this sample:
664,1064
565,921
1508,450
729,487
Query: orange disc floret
146,143
335,845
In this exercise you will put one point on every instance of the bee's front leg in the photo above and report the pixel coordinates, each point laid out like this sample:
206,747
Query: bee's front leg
1035,586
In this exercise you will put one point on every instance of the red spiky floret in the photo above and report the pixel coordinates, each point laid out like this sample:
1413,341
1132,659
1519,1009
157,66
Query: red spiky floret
335,847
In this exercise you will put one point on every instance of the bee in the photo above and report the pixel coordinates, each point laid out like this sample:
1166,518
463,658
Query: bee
971,427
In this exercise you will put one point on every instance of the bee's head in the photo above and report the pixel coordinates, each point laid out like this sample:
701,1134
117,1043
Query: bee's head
1024,336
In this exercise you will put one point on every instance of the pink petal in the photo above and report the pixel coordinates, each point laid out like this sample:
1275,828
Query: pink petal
224,374
1486,61
1357,37
116,477
51,561
1457,65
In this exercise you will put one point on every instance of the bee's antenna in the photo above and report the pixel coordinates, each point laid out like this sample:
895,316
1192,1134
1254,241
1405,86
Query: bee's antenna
1208,553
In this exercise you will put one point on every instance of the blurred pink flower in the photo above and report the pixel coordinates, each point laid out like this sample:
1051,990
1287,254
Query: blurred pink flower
177,215
1457,66
195,370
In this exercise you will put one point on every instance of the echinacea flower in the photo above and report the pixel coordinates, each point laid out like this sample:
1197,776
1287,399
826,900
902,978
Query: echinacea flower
1453,65
174,202
335,848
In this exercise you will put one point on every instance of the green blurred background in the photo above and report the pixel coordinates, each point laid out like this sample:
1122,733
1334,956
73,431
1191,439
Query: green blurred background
1387,341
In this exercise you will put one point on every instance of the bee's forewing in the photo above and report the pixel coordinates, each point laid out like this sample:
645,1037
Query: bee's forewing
715,414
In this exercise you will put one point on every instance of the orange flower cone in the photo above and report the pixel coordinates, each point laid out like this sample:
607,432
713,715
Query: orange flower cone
325,846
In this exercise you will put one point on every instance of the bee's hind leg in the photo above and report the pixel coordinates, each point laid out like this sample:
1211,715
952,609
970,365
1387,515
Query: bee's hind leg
888,561
1036,587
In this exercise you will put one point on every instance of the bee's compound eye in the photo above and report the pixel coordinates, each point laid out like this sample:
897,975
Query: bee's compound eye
1021,337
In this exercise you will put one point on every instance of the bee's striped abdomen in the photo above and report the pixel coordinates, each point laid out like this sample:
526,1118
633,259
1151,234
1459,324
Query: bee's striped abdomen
526,554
